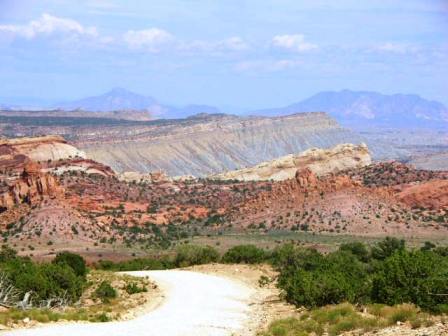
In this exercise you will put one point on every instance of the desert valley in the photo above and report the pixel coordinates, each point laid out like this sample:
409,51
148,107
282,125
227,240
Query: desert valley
157,184
223,168
113,190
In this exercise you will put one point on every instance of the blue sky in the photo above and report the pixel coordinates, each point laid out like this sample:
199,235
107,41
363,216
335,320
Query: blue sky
244,53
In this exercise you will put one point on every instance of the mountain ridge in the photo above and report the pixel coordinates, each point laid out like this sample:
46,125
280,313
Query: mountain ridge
120,99
368,107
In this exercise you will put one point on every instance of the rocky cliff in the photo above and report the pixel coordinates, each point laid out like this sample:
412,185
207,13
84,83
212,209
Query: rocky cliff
44,148
52,152
28,168
211,144
319,161
30,187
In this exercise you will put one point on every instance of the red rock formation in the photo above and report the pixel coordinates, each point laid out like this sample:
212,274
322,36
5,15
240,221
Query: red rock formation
306,178
31,187
431,195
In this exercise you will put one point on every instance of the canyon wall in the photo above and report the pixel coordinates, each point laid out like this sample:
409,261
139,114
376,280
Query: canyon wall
212,144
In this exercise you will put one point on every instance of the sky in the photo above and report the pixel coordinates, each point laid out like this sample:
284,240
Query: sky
229,53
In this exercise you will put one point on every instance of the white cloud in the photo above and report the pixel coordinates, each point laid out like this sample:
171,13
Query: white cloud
396,48
152,39
293,42
268,65
47,25
231,44
234,43
286,64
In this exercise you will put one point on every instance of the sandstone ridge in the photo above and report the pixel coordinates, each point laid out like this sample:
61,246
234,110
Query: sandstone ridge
319,161
42,148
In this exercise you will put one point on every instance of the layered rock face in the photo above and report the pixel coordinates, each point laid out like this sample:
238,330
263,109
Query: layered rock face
31,187
318,161
28,167
52,152
42,149
212,144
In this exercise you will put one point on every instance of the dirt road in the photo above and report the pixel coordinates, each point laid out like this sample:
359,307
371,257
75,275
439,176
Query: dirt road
196,304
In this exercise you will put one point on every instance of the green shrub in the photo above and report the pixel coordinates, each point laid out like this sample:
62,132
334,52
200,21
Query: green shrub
288,258
358,249
394,275
442,250
7,254
188,255
43,281
387,247
427,246
75,261
138,264
247,254
332,279
105,292
100,318
133,288
417,277
264,281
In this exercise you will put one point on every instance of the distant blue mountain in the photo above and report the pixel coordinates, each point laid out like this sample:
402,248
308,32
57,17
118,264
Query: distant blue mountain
119,99
370,108
114,100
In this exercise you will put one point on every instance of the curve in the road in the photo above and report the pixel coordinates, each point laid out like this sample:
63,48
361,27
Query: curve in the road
196,304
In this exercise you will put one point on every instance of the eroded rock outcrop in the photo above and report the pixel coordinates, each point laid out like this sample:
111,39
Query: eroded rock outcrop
136,177
53,154
431,195
28,168
44,148
319,161
31,187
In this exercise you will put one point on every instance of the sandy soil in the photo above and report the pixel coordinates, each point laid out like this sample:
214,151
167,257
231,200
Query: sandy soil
195,304
266,302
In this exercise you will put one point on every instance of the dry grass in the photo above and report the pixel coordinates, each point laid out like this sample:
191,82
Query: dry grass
337,319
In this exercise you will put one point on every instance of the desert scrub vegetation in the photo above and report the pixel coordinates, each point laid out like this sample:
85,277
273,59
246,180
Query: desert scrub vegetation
188,255
65,290
137,264
97,303
337,319
184,256
387,273
26,284
105,292
247,254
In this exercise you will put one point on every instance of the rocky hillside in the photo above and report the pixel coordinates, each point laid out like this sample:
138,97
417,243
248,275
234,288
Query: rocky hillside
28,167
212,143
31,187
431,195
80,202
319,161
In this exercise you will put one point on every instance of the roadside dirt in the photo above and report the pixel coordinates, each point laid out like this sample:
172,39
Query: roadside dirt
266,302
